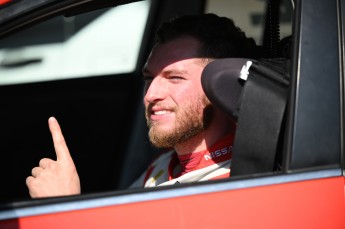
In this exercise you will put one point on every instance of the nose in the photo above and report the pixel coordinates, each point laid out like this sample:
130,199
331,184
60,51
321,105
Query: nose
155,90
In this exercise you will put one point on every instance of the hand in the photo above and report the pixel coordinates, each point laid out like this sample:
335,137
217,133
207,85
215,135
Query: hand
55,178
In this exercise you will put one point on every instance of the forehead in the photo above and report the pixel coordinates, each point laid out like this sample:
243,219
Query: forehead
176,53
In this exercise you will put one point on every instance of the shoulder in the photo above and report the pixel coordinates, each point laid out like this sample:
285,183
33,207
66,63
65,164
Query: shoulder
160,163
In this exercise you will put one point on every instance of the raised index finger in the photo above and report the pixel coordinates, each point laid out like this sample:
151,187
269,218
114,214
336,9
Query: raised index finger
61,149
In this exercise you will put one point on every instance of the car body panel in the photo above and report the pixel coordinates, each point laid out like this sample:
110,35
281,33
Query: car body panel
317,203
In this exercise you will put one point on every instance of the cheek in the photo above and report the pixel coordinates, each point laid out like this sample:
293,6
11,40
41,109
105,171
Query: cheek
192,88
188,95
194,105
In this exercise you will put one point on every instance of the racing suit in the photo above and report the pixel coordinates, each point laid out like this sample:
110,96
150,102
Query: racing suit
170,168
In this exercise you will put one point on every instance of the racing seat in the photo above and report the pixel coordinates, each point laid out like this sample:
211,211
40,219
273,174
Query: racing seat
255,94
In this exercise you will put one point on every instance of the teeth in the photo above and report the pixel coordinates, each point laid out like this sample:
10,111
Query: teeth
161,112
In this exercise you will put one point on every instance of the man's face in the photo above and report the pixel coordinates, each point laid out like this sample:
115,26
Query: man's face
174,100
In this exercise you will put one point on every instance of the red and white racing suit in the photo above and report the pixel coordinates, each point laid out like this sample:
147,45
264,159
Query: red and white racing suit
170,168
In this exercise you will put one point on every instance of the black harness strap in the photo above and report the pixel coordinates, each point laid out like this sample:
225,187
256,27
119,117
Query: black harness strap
261,112
258,105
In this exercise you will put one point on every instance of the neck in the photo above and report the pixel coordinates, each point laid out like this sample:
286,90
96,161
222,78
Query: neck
206,138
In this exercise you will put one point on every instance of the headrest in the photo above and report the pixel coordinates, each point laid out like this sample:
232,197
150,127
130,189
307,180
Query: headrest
222,83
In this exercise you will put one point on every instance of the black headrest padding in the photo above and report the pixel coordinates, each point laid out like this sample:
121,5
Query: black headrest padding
221,83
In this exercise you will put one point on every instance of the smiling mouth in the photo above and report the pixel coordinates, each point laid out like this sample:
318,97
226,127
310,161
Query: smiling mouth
162,112
155,112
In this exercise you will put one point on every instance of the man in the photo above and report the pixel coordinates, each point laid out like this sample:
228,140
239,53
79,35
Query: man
179,115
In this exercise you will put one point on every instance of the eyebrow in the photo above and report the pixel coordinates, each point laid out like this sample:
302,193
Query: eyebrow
167,72
175,72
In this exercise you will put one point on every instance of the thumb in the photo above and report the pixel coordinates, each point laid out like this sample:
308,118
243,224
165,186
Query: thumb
61,149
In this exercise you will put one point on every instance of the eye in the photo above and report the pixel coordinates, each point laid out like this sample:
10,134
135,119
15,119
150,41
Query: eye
176,79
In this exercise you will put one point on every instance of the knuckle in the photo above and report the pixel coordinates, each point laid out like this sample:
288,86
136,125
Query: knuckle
36,171
45,162
30,181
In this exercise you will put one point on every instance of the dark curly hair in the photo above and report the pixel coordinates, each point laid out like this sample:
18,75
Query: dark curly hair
219,37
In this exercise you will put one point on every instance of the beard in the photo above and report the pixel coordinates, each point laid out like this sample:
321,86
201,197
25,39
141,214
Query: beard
191,119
